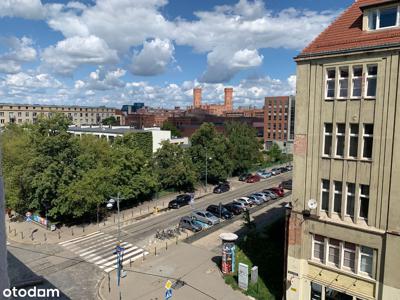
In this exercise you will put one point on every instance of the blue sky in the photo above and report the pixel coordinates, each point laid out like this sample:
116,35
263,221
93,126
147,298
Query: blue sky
113,52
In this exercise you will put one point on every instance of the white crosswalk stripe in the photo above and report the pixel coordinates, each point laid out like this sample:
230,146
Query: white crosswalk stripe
99,248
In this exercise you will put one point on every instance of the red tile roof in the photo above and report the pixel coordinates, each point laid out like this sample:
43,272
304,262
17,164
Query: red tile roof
345,34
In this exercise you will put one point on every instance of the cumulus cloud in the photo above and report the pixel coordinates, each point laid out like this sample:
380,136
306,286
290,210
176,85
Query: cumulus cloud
154,58
24,80
70,53
28,9
19,51
102,79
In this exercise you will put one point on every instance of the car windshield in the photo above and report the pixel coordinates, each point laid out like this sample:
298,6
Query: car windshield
208,215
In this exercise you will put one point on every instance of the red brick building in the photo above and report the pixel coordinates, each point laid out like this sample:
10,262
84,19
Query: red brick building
213,109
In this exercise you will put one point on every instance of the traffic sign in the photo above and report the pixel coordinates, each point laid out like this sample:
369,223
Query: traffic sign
168,294
168,285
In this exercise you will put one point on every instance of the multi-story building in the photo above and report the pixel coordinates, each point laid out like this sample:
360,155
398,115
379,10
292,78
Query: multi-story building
344,228
279,121
79,115
213,109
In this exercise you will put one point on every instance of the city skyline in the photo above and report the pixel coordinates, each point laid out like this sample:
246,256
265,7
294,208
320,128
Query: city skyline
73,52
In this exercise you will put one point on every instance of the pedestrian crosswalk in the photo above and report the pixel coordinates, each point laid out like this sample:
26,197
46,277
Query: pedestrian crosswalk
99,248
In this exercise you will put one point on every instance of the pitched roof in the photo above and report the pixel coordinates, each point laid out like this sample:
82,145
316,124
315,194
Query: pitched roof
345,34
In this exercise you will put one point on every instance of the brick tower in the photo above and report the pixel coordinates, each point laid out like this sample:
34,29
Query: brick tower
228,99
197,97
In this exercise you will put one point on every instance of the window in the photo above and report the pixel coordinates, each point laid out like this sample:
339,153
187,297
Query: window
316,291
349,256
368,140
371,79
383,18
27,114
333,252
356,82
340,135
328,139
319,247
350,199
330,83
325,195
366,258
1,114
364,201
353,141
337,196
19,114
343,82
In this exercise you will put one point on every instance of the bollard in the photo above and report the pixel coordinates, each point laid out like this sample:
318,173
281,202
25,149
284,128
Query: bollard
114,218
45,237
72,231
15,232
22,235
155,251
130,262
166,245
59,235
109,286
143,255
83,228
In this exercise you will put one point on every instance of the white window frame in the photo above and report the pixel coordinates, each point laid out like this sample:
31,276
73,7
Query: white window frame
340,78
364,135
348,193
354,135
314,241
323,190
325,135
360,195
371,256
378,18
353,77
326,83
337,192
368,76
343,135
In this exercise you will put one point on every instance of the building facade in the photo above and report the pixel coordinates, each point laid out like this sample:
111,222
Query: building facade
79,115
344,228
279,122
213,109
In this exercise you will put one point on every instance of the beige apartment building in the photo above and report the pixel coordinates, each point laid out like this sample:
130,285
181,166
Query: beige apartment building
79,115
344,228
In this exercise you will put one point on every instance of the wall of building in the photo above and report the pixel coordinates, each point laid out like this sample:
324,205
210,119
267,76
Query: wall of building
382,229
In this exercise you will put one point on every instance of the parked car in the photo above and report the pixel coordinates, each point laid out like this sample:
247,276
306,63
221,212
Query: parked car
264,197
234,208
243,177
287,184
289,167
270,194
245,200
264,174
253,178
222,188
241,203
283,169
188,223
278,191
276,171
180,200
256,200
215,210
205,217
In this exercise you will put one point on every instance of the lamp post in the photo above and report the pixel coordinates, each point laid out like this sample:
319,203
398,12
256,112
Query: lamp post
207,158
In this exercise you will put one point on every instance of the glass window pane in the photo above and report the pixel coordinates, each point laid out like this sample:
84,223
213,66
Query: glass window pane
331,73
341,128
357,71
316,291
367,151
367,250
330,89
340,145
354,128
328,145
371,90
353,146
372,70
372,20
369,129
325,184
350,206
388,17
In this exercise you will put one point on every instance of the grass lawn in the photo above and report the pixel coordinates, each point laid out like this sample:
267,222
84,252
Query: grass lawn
265,250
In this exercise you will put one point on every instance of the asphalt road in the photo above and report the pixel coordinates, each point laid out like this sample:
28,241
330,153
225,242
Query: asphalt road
140,231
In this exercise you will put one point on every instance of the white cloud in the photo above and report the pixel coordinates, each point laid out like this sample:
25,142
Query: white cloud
68,54
24,80
154,58
102,79
29,9
20,51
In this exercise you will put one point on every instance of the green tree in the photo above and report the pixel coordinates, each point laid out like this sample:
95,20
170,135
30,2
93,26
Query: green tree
171,127
142,141
209,144
275,153
244,146
110,121
174,168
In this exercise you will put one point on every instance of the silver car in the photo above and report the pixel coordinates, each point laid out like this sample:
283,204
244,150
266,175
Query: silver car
262,196
270,194
205,217
256,200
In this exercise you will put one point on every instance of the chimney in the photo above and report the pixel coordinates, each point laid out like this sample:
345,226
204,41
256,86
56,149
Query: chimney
197,97
228,99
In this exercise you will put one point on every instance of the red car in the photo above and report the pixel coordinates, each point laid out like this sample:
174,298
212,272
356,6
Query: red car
253,178
278,191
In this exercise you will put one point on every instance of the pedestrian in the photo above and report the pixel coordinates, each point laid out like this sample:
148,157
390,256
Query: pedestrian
191,200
